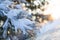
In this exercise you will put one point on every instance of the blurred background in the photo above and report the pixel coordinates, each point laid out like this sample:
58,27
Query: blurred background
29,19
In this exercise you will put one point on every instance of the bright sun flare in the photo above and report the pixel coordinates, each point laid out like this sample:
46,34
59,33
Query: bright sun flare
53,8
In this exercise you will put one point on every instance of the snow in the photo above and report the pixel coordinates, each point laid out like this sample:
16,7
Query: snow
22,24
7,2
18,22
50,31
50,26
19,6
18,18
13,13
3,6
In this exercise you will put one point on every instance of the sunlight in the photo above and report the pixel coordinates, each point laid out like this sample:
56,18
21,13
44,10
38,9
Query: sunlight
53,8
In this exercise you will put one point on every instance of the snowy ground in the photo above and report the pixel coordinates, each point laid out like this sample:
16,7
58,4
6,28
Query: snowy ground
50,35
50,32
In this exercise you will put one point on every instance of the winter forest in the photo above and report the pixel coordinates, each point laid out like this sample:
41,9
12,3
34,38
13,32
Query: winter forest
29,19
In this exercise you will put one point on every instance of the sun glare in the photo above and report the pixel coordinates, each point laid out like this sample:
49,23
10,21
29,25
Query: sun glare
53,8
